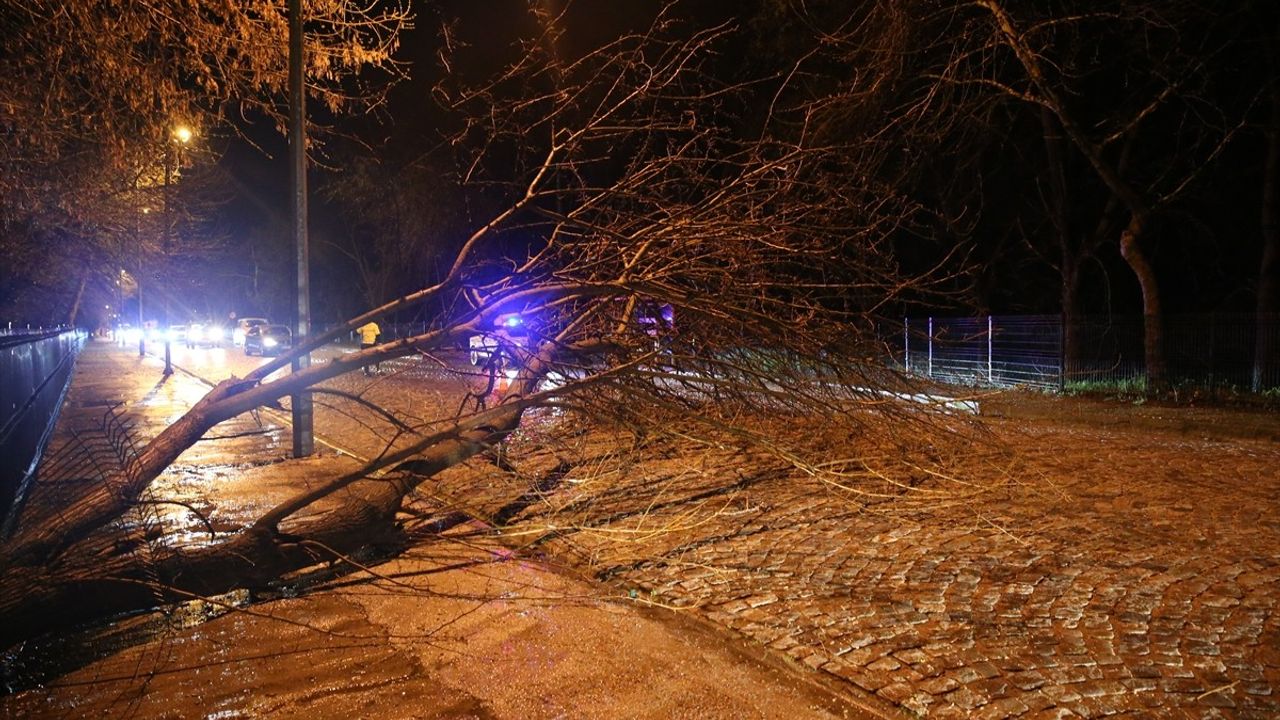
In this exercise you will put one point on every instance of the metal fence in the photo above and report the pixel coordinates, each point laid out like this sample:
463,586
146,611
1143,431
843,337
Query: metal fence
35,371
1236,352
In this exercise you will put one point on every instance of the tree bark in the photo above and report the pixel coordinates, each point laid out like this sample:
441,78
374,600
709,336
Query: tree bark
1070,316
73,567
1267,310
1070,256
1152,307
75,304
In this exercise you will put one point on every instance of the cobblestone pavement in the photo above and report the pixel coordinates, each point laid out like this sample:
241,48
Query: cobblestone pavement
1128,569
1137,577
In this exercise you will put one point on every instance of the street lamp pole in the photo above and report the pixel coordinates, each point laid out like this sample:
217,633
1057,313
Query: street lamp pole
173,151
168,229
300,403
142,332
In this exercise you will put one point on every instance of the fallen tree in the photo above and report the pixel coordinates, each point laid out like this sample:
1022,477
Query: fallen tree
685,262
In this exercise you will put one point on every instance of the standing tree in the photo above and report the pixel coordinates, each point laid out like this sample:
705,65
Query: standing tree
393,239
1133,91
1268,301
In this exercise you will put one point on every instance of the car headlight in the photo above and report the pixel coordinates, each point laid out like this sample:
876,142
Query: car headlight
269,342
216,334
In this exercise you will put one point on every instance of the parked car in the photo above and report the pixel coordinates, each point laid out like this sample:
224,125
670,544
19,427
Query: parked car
242,328
267,340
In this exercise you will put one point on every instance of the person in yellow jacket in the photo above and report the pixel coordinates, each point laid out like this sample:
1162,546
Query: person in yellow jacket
369,333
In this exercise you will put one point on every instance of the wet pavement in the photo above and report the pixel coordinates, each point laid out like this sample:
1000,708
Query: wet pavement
1128,572
456,627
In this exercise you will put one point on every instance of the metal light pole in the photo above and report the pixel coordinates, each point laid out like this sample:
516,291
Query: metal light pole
303,441
168,229
142,332
182,136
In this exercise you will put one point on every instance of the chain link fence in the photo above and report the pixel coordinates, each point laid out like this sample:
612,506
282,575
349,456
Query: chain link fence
1227,352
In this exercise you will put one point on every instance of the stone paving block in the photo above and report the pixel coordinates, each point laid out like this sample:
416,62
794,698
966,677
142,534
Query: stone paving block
939,685
784,643
911,656
948,712
1056,713
1141,684
756,601
1182,685
871,681
884,664
928,669
1027,680
897,693
1002,708
1073,674
864,655
1060,694
1036,702
815,660
964,698
733,606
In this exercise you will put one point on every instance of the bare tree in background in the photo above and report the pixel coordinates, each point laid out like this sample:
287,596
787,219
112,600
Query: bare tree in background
1265,358
630,189
90,92
398,218
1131,90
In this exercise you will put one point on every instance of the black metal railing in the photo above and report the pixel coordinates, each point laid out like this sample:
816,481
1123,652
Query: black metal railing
1236,352
35,371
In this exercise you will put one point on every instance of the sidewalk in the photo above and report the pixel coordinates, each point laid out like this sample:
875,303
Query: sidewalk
454,628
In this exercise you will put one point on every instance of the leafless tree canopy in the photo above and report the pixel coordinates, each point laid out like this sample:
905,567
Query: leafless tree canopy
693,256
91,92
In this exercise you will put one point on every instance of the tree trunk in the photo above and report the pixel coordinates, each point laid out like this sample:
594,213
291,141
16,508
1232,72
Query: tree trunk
1152,310
101,576
75,304
1268,303
1070,254
70,564
1070,318
105,574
